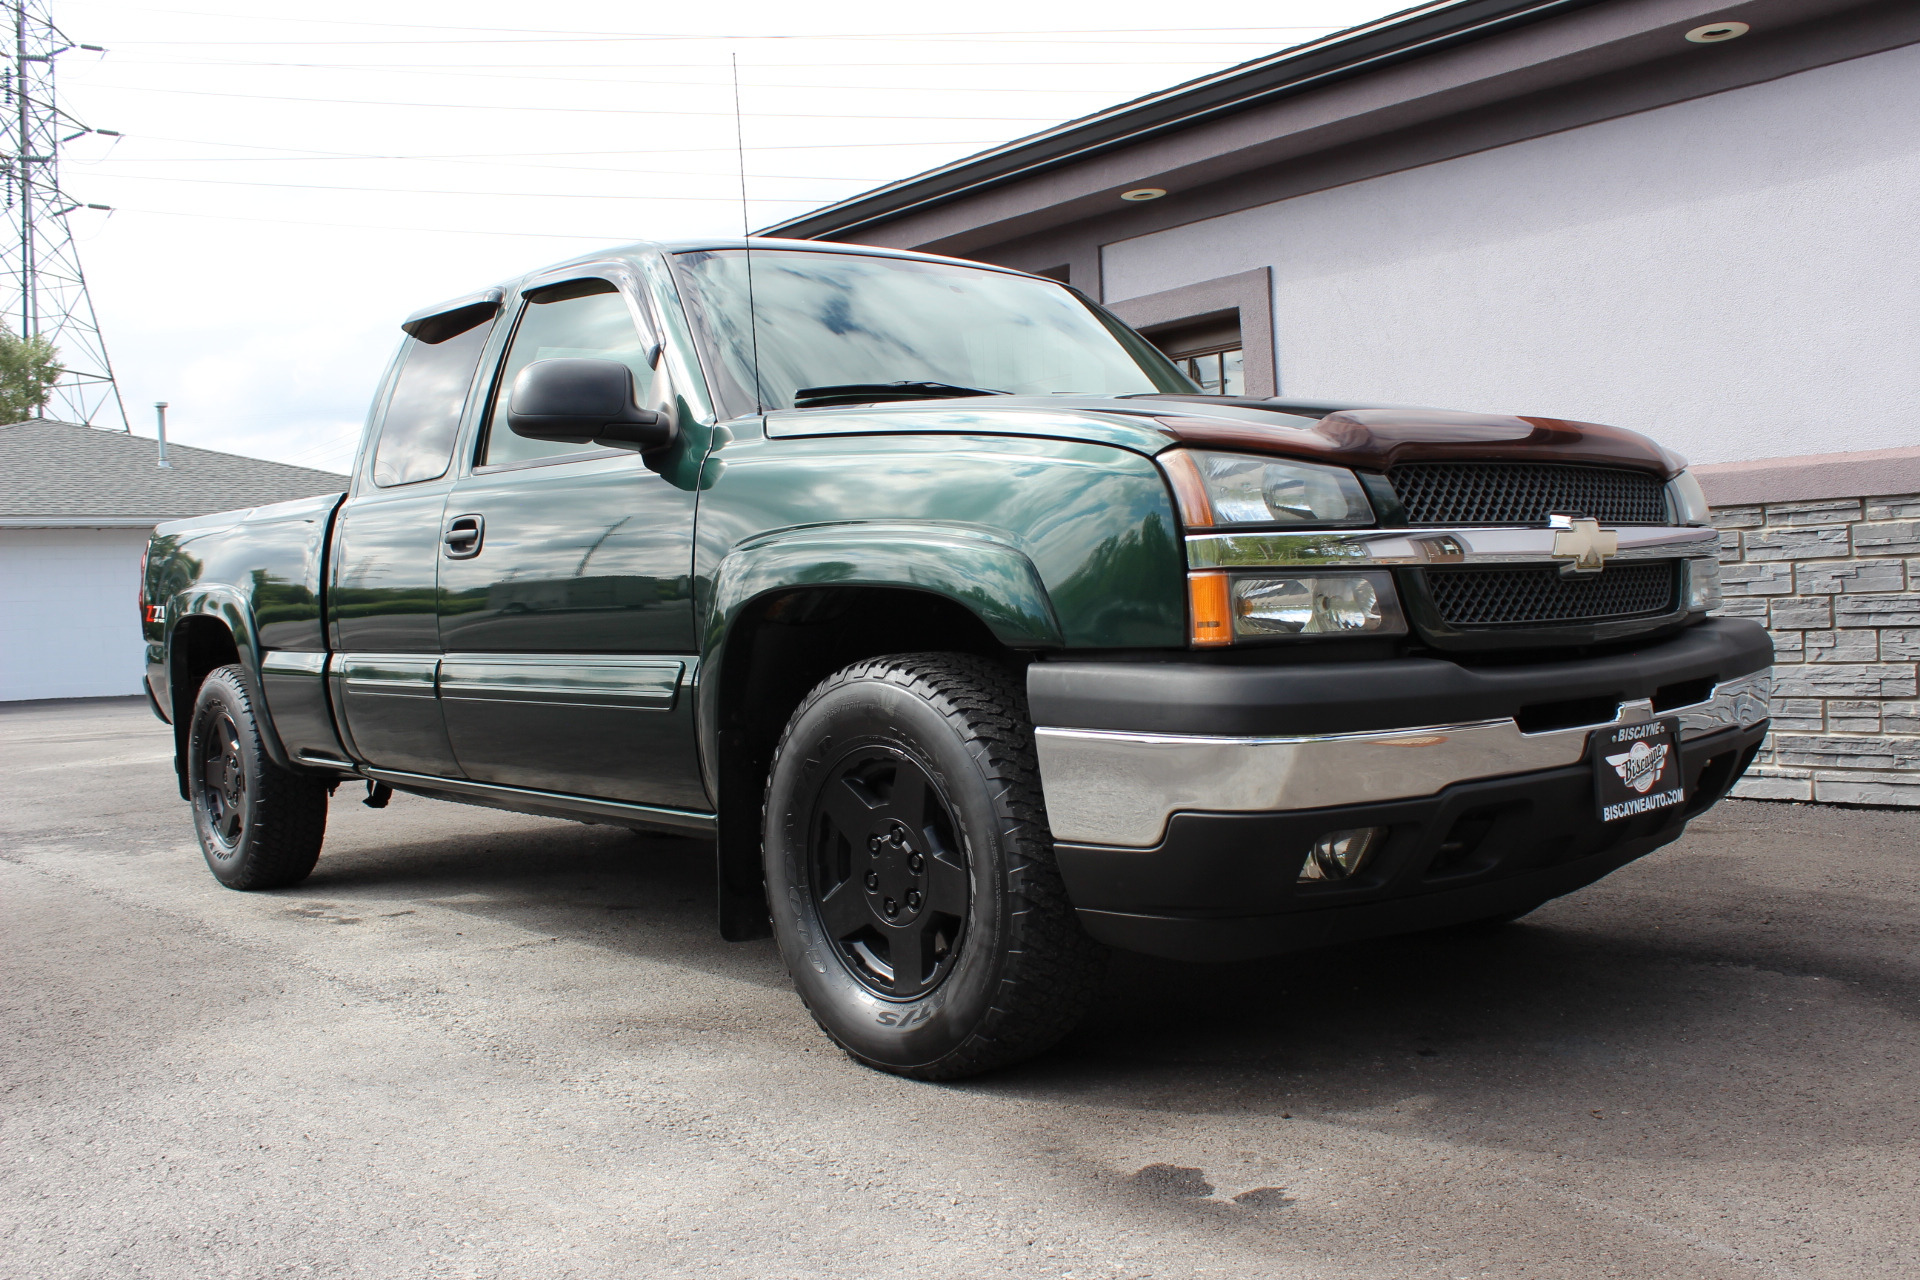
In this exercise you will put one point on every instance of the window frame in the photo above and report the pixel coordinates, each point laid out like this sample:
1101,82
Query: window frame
645,324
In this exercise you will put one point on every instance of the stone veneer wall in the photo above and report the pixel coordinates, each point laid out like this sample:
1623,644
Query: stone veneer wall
1837,582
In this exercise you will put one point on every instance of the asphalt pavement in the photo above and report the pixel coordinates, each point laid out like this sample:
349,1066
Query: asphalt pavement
479,1044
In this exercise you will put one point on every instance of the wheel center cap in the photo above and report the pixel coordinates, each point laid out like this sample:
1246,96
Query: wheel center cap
896,872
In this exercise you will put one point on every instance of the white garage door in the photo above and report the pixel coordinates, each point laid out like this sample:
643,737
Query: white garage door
69,624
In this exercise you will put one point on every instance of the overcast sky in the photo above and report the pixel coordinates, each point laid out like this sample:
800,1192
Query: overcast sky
287,189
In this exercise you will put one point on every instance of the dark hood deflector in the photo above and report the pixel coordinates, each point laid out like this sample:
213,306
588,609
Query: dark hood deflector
1377,439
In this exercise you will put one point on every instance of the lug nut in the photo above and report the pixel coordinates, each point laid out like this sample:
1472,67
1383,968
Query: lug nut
913,899
891,907
915,862
873,844
873,880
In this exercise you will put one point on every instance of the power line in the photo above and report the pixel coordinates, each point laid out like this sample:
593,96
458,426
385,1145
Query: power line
622,238
507,155
430,191
463,74
621,170
1075,38
627,35
812,64
514,106
995,41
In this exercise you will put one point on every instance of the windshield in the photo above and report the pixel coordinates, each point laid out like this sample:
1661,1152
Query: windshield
838,319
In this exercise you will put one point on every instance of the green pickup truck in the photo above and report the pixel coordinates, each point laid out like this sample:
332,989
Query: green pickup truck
976,640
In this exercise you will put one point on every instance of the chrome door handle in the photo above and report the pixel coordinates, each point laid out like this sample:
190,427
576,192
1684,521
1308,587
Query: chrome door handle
463,537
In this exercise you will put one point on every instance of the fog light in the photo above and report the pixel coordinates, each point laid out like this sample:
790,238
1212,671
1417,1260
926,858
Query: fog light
1703,585
1339,855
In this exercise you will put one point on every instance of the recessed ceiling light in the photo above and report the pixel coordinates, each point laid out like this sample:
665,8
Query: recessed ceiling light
1143,193
1716,32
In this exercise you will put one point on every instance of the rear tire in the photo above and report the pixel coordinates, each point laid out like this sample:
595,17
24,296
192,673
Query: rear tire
910,870
260,826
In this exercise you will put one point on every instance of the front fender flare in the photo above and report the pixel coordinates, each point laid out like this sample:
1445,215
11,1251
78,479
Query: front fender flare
988,576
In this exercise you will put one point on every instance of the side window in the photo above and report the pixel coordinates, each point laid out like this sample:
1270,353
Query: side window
423,413
579,318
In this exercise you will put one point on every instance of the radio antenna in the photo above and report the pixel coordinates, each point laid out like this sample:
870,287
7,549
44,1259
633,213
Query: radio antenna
746,235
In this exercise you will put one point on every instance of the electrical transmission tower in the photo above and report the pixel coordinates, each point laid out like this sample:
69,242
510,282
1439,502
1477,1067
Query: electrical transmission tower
39,263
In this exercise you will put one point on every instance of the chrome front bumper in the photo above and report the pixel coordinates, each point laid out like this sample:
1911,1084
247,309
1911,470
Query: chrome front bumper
1107,787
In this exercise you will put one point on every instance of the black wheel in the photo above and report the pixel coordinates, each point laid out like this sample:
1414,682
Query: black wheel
260,826
911,874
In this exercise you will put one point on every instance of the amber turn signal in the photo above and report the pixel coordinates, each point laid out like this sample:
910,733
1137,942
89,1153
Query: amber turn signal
1211,621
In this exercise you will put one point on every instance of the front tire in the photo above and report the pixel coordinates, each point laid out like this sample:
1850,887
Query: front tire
260,826
910,870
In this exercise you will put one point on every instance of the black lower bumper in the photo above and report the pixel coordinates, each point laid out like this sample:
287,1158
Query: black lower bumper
1182,695
1224,886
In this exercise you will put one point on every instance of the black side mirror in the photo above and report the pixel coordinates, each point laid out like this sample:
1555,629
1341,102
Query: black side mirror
580,401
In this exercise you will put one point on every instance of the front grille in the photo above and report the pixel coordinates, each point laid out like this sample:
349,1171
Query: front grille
1524,493
1508,597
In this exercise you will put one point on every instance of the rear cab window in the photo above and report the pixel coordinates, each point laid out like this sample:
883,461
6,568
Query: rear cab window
423,413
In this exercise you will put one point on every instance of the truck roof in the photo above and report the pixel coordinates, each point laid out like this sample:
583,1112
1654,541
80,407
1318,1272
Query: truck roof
639,248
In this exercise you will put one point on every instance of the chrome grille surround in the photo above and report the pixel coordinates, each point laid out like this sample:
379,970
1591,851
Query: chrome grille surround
1641,588
1371,548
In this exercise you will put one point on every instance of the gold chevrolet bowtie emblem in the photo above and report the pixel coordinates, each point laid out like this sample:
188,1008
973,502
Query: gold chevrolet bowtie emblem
1584,542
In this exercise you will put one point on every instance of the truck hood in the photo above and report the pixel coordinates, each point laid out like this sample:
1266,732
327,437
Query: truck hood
1370,438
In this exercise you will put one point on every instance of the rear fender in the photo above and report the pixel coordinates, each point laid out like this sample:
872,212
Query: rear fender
226,608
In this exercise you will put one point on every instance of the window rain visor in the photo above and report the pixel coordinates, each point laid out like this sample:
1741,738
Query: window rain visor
839,319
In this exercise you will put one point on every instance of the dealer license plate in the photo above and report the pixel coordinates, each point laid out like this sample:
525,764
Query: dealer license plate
1636,769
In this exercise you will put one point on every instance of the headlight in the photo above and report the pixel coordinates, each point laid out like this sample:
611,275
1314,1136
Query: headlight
1686,501
1216,489
1271,607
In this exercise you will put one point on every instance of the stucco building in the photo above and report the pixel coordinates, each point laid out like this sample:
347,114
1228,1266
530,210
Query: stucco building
1689,218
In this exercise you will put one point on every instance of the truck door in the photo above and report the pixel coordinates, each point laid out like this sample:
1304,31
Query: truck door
386,553
567,627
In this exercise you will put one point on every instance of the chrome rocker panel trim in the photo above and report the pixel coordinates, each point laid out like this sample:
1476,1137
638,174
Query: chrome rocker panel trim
1112,788
1368,548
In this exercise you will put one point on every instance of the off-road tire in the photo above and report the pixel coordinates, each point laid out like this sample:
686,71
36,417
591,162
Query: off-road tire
1022,973
260,826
